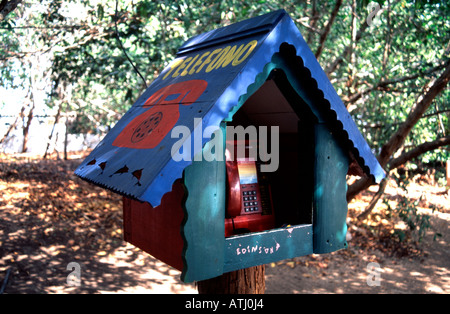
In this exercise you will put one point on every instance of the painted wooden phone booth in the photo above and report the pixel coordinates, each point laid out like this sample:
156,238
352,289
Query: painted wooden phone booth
190,199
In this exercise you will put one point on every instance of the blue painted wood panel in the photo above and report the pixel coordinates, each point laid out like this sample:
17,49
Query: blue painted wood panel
205,81
330,187
265,247
203,228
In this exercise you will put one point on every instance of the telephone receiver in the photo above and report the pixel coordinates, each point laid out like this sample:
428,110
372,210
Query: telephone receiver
150,127
249,205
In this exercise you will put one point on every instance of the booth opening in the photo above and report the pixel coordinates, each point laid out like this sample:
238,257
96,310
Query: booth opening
283,196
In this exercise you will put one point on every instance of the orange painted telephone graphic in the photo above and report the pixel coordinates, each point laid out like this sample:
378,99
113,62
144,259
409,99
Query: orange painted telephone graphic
249,201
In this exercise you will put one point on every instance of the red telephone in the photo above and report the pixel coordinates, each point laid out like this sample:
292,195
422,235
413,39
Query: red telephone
249,201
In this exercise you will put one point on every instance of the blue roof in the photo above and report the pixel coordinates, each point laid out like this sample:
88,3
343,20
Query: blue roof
210,73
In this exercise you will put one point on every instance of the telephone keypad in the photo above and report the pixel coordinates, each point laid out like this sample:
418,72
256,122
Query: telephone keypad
250,200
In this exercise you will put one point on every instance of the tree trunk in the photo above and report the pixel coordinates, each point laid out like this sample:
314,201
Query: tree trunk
58,113
397,162
398,138
313,21
327,29
352,64
419,150
244,281
7,6
424,101
13,125
26,127
66,138
374,200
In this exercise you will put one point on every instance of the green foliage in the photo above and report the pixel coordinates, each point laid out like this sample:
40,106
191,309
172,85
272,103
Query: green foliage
91,79
404,43
417,223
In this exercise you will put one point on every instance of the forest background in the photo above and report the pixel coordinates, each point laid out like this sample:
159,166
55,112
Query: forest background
389,62
66,64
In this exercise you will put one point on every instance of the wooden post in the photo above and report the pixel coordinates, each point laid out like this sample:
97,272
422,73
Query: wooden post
244,281
448,173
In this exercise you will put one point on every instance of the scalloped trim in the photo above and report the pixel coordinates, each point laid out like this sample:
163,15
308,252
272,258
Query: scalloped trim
323,105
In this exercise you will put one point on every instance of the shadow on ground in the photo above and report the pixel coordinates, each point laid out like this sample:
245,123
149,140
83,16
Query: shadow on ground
365,269
50,218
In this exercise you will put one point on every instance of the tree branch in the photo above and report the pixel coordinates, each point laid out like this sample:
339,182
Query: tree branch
424,101
13,125
93,34
312,23
384,83
338,61
374,200
3,4
419,150
7,6
436,113
432,89
327,29
70,27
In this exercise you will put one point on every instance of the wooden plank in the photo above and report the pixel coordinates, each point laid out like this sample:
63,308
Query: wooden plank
157,230
330,189
269,246
306,169
203,229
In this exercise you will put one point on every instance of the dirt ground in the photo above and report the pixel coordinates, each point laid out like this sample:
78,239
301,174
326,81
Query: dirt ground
55,226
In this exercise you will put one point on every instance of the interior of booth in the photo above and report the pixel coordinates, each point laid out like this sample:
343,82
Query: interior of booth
276,103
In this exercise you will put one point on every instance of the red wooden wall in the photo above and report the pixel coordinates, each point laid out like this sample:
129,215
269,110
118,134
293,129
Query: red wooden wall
157,230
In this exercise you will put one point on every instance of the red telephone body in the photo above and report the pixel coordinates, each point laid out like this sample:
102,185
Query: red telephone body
247,210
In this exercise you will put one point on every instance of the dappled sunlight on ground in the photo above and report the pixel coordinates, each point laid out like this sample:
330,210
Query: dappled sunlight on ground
403,267
50,218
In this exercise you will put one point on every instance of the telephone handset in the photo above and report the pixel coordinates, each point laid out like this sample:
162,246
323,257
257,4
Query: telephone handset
249,204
